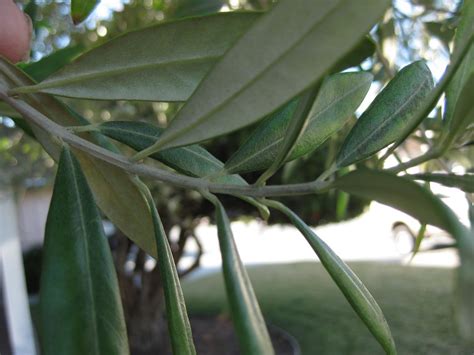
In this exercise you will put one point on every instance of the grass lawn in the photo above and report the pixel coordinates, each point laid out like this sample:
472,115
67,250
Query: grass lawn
302,299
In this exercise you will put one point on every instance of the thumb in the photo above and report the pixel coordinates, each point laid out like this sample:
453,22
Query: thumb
15,32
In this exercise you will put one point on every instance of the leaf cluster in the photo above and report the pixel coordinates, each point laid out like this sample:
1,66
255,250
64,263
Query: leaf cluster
280,69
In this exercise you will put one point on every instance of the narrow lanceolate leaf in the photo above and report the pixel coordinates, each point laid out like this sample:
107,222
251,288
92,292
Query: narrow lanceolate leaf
164,62
193,160
298,122
120,200
464,33
52,63
419,238
22,124
81,9
411,198
246,315
285,52
351,286
115,194
471,215
338,98
176,314
187,8
391,111
400,193
425,107
464,182
6,110
366,48
81,311
261,148
463,116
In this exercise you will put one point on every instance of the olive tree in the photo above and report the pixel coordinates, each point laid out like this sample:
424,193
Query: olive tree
280,70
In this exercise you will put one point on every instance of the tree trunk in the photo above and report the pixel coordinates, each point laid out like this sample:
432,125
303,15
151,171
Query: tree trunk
142,298
141,289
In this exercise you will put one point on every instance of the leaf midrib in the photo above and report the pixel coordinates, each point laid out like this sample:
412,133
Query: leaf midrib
241,284
86,256
314,117
334,258
309,234
457,86
124,69
389,120
189,150
175,296
254,78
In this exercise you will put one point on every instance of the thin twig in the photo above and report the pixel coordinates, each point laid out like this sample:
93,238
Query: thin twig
429,155
152,172
197,261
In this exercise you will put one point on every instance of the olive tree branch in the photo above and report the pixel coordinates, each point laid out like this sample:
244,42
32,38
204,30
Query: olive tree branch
141,169
433,153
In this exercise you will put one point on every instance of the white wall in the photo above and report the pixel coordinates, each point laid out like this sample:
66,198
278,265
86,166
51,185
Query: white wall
32,210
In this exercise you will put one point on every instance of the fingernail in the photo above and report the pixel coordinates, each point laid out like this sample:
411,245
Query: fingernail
29,23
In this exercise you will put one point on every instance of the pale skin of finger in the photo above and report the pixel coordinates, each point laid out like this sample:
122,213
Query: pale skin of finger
15,32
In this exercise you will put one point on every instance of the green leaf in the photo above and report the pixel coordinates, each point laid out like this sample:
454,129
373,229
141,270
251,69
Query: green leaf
425,107
262,146
186,8
393,109
463,116
342,205
52,63
465,285
120,200
31,10
463,182
338,98
463,37
400,193
365,49
351,286
99,138
294,129
115,193
419,238
81,311
409,197
6,110
192,160
285,52
22,124
164,62
81,9
176,314
246,315
471,215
